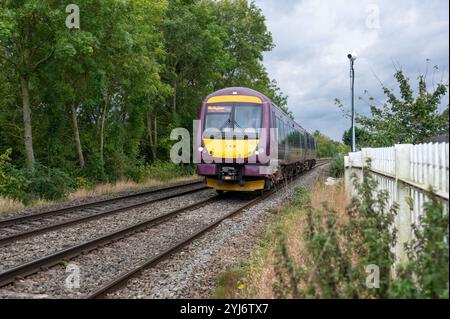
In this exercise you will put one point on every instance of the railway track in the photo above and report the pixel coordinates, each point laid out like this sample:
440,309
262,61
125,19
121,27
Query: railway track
122,280
11,275
16,228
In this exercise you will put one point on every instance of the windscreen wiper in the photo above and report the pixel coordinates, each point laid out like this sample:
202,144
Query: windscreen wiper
225,124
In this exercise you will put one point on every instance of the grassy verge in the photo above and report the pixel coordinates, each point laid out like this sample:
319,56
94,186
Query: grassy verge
325,245
8,205
254,278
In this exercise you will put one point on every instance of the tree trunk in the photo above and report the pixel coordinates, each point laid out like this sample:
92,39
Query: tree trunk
27,122
76,134
102,131
155,130
152,136
174,101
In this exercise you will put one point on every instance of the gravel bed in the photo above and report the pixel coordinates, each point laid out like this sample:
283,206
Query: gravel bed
102,265
28,249
192,272
86,200
41,222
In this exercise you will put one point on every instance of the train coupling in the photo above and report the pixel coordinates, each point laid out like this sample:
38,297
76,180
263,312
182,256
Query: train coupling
231,174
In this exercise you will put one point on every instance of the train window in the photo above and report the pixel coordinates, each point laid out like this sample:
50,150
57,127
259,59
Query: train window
280,130
274,120
237,117
247,117
292,137
217,117
296,138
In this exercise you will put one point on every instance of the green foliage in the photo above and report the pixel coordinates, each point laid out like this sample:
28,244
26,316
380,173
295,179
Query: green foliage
228,282
370,233
337,253
327,148
26,185
161,171
337,166
13,182
48,183
363,138
408,118
132,72
425,275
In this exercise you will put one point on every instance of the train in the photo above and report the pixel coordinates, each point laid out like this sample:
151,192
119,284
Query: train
246,143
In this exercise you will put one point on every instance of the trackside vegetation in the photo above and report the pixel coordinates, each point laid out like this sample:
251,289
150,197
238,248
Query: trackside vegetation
97,104
327,249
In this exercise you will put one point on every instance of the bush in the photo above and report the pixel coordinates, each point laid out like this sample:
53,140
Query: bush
13,182
426,273
337,166
48,183
26,185
160,170
336,253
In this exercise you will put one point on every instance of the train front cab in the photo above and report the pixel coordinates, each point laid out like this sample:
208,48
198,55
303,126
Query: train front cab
231,144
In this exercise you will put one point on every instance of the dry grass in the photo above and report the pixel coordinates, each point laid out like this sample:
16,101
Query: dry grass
8,205
121,186
260,275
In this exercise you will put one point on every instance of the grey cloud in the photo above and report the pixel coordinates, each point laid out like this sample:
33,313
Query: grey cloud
312,40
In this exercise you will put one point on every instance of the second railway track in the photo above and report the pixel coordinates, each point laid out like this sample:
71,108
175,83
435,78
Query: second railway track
20,227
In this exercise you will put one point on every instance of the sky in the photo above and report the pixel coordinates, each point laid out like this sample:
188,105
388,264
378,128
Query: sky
313,38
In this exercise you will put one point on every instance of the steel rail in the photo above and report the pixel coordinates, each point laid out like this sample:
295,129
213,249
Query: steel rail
122,280
13,220
36,265
109,212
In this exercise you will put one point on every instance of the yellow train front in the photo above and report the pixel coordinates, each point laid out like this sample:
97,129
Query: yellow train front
247,143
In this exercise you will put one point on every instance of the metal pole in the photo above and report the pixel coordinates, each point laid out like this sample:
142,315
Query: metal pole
352,78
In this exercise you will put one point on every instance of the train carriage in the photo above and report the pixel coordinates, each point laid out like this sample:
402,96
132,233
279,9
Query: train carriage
247,143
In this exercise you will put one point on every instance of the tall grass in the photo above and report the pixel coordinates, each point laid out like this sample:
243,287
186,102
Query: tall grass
254,278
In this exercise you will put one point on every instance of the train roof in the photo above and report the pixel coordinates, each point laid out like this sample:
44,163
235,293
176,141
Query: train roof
238,90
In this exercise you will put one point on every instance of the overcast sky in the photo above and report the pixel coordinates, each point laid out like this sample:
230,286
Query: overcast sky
313,38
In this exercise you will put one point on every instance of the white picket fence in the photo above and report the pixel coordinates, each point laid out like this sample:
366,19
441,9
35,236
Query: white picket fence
408,172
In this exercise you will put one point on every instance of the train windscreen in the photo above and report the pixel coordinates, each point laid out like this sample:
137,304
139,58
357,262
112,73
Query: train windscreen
237,118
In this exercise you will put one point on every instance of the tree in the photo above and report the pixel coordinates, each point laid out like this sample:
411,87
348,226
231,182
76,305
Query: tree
409,117
28,37
326,147
363,137
104,98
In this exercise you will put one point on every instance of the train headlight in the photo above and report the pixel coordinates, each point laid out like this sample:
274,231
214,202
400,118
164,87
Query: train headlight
200,149
259,151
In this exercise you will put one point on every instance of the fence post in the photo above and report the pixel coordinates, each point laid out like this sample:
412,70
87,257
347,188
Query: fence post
403,220
347,174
